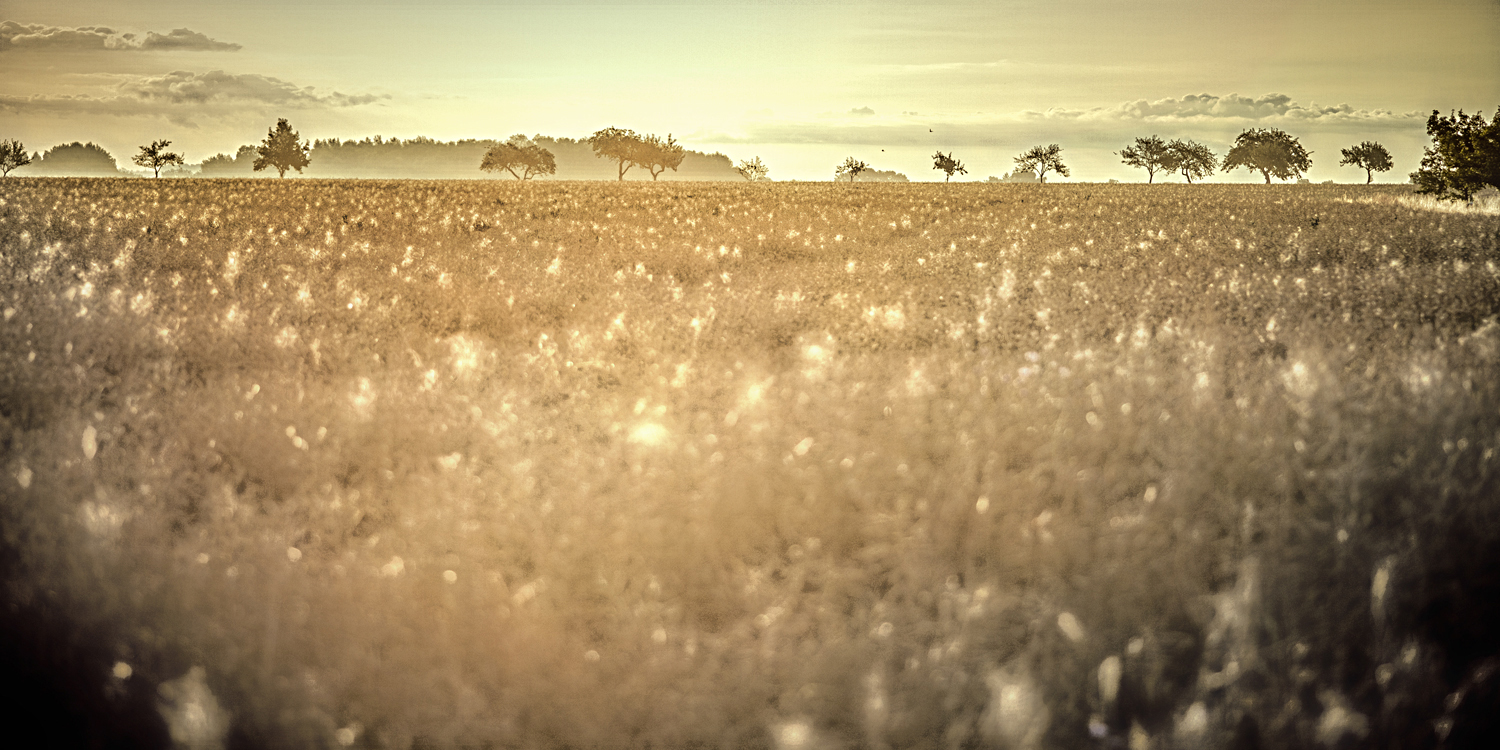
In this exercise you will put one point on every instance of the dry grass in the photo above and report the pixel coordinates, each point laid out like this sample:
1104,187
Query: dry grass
407,464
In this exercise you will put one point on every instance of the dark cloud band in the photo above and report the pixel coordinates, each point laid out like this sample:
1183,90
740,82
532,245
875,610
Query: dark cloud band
19,36
185,98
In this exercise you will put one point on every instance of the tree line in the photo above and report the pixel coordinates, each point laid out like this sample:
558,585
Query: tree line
1271,152
284,150
1464,157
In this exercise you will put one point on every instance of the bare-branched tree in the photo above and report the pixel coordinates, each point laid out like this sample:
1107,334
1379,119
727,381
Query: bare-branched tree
156,156
949,165
753,170
1042,159
851,167
12,155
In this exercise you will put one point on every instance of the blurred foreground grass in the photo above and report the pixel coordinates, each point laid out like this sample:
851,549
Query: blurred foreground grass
585,465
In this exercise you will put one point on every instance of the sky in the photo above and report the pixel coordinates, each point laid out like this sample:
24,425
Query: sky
802,85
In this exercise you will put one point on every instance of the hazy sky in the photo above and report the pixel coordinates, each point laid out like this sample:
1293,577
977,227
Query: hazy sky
801,84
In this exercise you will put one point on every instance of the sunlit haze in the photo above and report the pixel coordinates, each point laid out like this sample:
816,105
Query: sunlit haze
802,85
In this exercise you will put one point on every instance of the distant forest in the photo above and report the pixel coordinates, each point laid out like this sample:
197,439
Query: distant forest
381,158
426,158
874,175
73,160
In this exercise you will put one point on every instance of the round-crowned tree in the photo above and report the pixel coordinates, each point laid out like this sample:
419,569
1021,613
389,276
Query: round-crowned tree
1271,152
282,150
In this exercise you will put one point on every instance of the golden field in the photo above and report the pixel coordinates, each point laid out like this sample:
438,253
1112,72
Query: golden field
316,463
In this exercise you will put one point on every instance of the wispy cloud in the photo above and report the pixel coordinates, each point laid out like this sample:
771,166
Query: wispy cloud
1205,107
19,36
1191,114
183,97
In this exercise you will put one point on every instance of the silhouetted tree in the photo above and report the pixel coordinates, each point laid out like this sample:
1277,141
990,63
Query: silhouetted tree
753,170
1464,156
948,165
1041,159
156,156
1269,151
519,153
1369,156
282,150
1192,159
851,167
657,155
1149,154
12,155
619,145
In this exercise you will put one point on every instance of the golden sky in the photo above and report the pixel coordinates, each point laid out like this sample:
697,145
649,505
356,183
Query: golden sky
800,84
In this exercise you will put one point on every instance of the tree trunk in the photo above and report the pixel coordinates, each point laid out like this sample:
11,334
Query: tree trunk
1268,177
1369,176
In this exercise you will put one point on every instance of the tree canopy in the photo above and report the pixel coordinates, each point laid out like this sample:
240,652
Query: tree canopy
1464,157
282,150
12,155
619,145
1150,154
78,159
1269,151
1042,159
851,167
519,156
1191,159
657,155
240,164
1369,156
948,165
156,156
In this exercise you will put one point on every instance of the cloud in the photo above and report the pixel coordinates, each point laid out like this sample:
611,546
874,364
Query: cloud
183,96
19,36
185,39
1198,115
1209,107
184,87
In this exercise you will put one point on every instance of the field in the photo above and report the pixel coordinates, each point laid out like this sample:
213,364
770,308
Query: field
586,465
